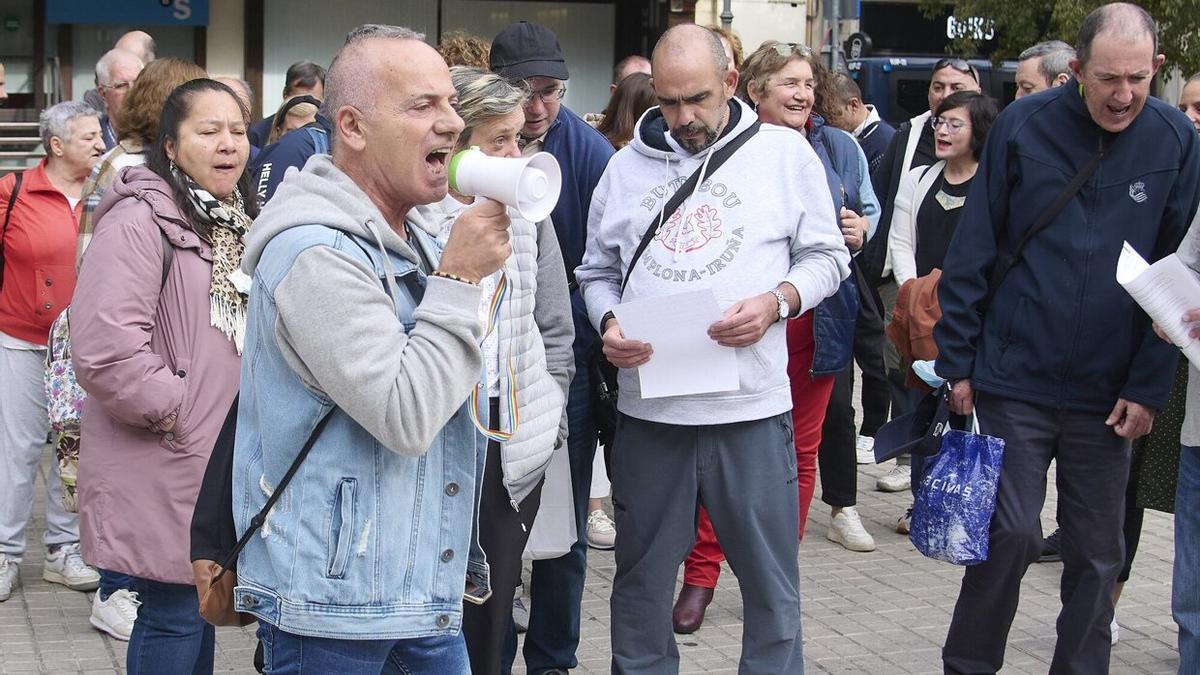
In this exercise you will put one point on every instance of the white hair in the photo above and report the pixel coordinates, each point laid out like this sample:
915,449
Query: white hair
55,121
110,60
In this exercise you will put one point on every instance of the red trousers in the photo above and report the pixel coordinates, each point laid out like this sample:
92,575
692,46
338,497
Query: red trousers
810,397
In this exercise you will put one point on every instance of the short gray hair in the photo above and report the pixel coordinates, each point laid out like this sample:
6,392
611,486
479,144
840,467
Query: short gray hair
1055,56
482,96
346,82
111,58
55,121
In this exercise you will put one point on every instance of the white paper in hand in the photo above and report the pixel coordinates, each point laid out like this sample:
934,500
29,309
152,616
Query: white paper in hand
685,360
1164,290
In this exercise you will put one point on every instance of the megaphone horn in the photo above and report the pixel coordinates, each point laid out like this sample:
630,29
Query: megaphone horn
528,184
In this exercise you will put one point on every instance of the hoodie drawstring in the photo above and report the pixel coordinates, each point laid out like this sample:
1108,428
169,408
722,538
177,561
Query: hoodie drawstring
388,270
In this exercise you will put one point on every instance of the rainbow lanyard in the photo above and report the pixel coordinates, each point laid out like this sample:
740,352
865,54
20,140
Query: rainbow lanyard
493,318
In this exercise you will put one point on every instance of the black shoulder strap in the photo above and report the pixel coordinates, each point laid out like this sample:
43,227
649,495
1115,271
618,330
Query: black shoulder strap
12,199
684,190
257,521
1005,263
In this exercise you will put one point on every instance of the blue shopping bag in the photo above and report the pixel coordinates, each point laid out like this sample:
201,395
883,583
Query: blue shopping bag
957,496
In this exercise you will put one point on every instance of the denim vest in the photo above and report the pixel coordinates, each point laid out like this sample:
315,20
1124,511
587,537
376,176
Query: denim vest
364,543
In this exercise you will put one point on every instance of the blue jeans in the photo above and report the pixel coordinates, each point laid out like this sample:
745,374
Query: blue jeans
298,654
111,582
556,586
1185,586
169,635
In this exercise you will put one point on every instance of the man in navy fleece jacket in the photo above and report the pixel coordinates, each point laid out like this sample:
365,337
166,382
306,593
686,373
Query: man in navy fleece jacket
1062,364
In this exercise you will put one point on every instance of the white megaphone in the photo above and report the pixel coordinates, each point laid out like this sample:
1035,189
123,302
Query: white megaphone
528,184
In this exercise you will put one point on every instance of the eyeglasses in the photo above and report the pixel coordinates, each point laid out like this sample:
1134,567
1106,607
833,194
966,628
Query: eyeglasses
786,49
115,86
953,126
549,94
959,64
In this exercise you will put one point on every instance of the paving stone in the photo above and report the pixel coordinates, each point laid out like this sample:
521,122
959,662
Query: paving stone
883,612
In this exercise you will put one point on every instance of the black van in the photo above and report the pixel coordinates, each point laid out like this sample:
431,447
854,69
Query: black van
898,86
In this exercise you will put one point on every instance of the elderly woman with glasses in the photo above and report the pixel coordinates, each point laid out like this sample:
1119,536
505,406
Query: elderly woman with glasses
786,83
37,258
528,365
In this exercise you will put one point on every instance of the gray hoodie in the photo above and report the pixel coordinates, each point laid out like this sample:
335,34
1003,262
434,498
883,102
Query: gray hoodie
762,218
337,326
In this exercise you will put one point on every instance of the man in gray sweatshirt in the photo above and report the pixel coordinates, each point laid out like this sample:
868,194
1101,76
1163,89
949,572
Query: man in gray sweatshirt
355,319
761,233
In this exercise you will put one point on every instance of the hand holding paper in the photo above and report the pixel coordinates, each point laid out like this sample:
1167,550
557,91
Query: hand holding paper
622,352
685,360
1169,292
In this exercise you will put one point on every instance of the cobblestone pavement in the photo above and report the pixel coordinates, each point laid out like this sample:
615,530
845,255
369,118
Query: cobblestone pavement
879,613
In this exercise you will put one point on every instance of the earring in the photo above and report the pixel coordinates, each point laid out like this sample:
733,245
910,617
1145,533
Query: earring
174,167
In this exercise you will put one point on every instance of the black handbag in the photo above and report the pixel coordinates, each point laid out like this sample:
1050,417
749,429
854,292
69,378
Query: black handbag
603,383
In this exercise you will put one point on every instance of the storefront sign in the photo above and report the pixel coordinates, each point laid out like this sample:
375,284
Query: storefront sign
129,12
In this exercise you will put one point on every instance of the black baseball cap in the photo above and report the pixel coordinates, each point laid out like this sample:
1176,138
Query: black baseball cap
920,431
524,50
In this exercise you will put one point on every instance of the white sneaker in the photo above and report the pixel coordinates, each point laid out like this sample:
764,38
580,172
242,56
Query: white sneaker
10,579
847,529
1114,630
601,531
116,615
896,480
65,566
864,448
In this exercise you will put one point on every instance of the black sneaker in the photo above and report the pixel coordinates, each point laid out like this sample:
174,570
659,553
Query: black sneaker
1051,548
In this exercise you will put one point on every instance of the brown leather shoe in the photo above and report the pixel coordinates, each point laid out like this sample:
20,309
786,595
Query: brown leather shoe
689,608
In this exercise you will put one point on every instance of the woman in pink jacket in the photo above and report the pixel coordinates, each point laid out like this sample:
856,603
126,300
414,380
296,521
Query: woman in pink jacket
157,322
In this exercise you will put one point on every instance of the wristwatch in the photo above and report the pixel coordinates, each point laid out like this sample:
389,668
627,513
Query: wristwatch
784,310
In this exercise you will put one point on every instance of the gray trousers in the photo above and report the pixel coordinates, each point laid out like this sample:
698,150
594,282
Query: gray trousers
23,427
744,474
1092,471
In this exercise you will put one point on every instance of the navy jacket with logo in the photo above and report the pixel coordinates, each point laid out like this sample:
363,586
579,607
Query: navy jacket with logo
1060,332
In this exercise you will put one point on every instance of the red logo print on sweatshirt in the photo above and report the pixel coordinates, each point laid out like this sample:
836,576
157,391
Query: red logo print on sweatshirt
690,234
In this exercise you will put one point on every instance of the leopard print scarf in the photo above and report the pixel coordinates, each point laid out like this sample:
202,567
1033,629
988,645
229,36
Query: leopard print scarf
229,285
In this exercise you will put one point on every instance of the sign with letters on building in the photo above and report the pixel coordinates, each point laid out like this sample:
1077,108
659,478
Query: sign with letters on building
129,12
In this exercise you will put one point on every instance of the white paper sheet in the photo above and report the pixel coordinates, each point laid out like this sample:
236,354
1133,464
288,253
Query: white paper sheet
1165,290
685,360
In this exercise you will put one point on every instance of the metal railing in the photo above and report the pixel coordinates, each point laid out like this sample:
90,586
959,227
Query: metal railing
20,146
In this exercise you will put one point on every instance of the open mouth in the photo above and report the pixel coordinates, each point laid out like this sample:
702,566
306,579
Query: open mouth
438,159
1119,111
225,168
943,145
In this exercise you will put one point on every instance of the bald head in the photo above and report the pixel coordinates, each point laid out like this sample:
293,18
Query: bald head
689,43
629,65
240,87
139,43
1118,22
